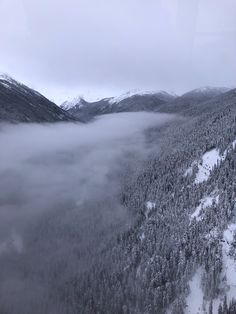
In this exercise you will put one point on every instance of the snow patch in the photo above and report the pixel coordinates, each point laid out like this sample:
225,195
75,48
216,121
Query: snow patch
206,164
142,237
204,203
209,160
229,263
149,206
234,144
194,300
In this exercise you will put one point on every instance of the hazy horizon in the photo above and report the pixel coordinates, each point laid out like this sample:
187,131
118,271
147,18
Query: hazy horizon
104,48
92,97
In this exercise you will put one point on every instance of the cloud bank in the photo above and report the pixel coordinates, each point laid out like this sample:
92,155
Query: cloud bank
59,202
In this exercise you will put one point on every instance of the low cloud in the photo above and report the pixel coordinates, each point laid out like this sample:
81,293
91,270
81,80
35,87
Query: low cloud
59,200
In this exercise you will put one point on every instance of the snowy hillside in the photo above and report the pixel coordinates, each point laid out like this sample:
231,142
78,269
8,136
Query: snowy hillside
19,103
136,92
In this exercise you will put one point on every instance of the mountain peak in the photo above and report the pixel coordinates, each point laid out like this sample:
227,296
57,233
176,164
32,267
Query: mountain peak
137,92
77,101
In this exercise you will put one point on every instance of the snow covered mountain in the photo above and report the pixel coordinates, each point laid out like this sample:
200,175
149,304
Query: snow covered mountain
19,103
128,102
133,93
69,104
143,101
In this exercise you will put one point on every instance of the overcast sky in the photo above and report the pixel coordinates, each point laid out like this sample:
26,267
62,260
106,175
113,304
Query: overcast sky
104,47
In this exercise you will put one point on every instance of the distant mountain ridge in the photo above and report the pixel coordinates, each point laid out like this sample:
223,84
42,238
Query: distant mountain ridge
133,93
128,102
142,101
19,103
206,92
194,101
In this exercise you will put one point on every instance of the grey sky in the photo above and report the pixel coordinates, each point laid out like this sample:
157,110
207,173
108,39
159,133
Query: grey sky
104,47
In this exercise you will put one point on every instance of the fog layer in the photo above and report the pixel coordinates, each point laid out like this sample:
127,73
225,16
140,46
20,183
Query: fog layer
59,201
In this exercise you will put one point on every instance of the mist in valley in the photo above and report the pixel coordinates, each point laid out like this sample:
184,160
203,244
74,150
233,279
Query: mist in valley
60,205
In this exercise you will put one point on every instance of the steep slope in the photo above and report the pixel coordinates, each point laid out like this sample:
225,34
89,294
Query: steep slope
129,102
177,248
174,259
19,103
213,104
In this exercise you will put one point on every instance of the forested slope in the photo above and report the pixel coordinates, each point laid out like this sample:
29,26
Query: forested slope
19,103
150,268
